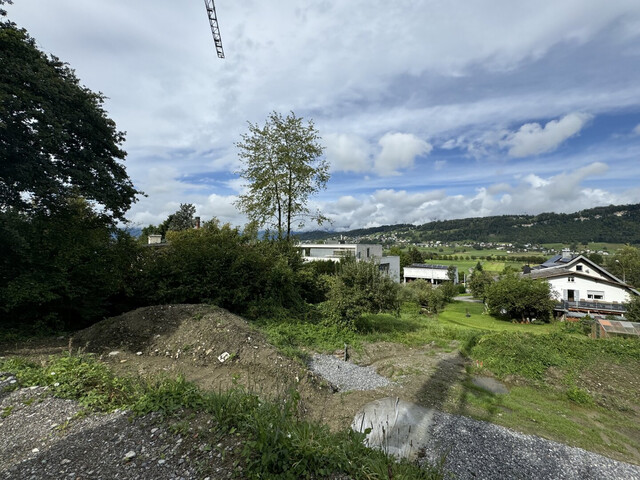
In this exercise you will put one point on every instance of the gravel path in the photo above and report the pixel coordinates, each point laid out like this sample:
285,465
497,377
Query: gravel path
345,376
482,450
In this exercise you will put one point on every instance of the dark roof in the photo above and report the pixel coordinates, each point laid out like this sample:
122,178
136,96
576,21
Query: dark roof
426,265
557,260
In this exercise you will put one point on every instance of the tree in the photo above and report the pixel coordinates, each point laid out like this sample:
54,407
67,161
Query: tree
625,264
633,309
63,271
478,283
183,219
358,288
520,297
56,141
283,168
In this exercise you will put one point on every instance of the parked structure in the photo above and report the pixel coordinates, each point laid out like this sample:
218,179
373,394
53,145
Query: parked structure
334,252
434,274
580,285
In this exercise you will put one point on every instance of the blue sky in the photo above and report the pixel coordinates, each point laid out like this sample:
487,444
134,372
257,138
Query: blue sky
427,109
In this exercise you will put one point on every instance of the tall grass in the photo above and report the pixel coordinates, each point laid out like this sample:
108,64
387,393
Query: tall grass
276,442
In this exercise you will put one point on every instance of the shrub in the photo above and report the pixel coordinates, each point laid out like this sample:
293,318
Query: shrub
360,287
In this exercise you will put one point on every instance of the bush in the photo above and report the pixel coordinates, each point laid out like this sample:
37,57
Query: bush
358,288
520,298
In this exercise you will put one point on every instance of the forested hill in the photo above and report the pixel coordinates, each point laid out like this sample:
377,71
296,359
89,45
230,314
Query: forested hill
615,224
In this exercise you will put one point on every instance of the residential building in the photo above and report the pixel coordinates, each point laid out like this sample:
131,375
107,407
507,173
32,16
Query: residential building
580,285
334,252
434,274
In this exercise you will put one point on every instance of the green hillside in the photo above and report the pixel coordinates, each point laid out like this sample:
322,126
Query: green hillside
614,224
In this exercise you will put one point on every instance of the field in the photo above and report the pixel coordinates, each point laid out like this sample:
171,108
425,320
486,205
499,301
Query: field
561,385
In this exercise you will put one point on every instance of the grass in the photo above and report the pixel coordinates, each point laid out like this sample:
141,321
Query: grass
276,443
550,372
456,316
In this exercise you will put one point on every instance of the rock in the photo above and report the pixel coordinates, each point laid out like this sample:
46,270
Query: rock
113,353
130,455
223,357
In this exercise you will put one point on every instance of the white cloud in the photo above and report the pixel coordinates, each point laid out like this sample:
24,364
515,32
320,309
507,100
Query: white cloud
399,151
533,139
532,194
347,152
636,130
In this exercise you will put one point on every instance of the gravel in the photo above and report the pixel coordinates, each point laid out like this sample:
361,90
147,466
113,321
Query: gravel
346,376
480,450
42,437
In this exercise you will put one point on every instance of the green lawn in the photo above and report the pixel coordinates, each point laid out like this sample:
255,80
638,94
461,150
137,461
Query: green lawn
455,315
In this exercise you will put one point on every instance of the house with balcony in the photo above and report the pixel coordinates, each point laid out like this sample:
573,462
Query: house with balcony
582,287
434,274
334,252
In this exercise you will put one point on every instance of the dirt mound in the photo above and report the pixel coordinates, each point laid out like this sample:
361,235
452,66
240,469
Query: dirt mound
207,344
194,332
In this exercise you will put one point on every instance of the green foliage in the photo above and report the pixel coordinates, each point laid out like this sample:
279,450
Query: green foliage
428,296
579,396
281,162
61,271
530,355
56,140
520,298
219,265
276,443
479,281
633,309
182,219
625,264
358,288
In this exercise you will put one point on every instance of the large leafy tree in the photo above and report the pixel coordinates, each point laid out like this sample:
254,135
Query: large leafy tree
625,264
520,298
56,140
283,167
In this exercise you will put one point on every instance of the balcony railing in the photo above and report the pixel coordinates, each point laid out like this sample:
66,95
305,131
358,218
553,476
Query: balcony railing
591,305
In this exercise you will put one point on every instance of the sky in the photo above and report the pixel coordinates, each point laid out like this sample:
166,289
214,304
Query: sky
428,110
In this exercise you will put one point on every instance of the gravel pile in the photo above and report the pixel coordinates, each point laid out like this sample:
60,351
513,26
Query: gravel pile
345,376
42,437
481,450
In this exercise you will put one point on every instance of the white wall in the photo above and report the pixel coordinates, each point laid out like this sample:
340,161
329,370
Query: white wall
582,285
429,274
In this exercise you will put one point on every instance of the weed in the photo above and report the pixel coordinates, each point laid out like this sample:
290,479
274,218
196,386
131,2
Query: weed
6,411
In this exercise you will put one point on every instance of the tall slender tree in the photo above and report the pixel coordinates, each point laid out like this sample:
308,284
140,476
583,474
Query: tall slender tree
283,165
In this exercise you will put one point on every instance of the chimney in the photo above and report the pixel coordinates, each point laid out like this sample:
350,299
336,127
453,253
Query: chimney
197,222
566,254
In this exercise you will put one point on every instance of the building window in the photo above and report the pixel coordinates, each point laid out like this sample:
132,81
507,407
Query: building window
595,295
571,279
578,268
384,268
367,253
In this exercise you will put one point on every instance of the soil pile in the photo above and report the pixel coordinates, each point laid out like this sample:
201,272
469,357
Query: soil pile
206,344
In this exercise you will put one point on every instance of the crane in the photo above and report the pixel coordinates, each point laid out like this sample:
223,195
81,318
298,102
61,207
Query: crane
215,30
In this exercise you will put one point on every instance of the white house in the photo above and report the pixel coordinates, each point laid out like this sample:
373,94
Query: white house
583,286
434,274
334,252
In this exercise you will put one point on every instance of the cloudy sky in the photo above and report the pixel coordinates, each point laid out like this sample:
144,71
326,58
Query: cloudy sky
428,109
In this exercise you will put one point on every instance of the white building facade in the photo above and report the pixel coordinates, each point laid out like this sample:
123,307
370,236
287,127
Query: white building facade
334,252
434,274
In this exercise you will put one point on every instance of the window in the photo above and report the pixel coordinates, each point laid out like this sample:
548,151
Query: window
595,295
578,268
571,279
367,253
384,268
